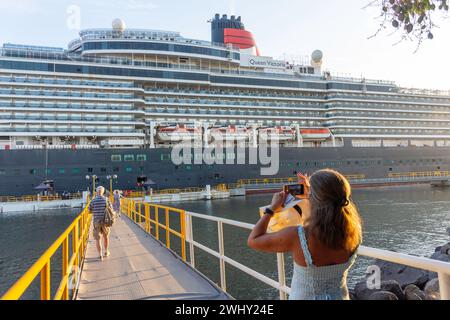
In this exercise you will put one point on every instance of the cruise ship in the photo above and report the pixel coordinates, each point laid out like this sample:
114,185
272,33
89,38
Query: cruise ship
117,100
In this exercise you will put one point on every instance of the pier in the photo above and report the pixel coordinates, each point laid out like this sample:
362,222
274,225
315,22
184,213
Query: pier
153,257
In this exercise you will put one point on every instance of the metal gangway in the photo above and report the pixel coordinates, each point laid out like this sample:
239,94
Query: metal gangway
147,262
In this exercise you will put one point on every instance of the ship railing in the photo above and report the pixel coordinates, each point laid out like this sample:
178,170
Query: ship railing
39,198
150,217
72,241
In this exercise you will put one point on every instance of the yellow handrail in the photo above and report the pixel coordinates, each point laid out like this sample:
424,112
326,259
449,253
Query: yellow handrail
288,180
133,210
420,174
78,232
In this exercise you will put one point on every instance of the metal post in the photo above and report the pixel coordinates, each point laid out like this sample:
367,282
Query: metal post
444,285
65,267
167,229
140,214
281,274
76,253
147,217
223,278
191,238
45,282
183,234
157,222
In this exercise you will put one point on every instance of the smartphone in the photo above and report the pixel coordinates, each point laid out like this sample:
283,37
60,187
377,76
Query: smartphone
295,189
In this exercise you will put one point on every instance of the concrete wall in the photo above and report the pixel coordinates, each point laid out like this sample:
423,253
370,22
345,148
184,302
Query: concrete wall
6,207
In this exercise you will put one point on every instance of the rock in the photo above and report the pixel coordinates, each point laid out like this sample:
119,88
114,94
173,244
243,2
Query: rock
364,293
440,256
402,274
383,295
432,290
413,292
437,256
352,294
445,249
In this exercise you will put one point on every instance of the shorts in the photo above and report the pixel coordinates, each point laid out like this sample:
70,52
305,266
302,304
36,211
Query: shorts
100,228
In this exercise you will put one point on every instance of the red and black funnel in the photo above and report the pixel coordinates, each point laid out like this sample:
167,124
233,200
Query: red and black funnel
231,30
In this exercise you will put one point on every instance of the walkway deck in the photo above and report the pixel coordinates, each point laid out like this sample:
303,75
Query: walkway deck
140,268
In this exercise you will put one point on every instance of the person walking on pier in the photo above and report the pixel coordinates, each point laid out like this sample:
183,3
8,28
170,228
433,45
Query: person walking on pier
116,205
97,207
323,248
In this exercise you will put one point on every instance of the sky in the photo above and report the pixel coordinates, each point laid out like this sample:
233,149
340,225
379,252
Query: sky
341,29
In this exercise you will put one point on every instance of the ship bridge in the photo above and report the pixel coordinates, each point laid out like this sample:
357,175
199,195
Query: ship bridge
152,43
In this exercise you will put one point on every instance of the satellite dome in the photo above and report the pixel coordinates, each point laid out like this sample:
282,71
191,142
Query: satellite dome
317,56
118,25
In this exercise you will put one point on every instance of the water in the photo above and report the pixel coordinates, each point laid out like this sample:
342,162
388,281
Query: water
24,238
407,219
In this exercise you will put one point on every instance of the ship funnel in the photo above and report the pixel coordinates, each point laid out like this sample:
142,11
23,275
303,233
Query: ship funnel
231,31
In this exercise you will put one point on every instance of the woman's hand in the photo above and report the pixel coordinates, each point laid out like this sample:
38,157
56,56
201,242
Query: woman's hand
277,201
304,180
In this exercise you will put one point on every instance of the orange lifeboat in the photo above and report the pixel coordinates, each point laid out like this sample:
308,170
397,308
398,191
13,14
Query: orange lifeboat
277,133
179,132
230,133
315,134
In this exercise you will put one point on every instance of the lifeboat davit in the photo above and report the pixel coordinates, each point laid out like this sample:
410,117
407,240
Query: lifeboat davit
178,133
315,134
230,133
277,133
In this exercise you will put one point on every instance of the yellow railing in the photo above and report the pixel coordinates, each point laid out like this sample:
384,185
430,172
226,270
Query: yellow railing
77,233
287,180
34,198
141,213
420,174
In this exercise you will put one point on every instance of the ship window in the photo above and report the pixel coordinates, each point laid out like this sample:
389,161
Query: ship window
188,168
90,170
76,171
116,158
103,170
141,157
128,157
116,169
62,171
32,171
129,169
17,172
2,172
48,171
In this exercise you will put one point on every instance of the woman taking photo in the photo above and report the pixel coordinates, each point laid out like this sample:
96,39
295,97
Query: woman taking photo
324,247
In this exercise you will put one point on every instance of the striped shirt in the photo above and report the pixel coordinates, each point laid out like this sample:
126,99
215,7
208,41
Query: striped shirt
97,208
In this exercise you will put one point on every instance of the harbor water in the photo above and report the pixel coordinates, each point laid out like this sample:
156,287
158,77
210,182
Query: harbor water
405,219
